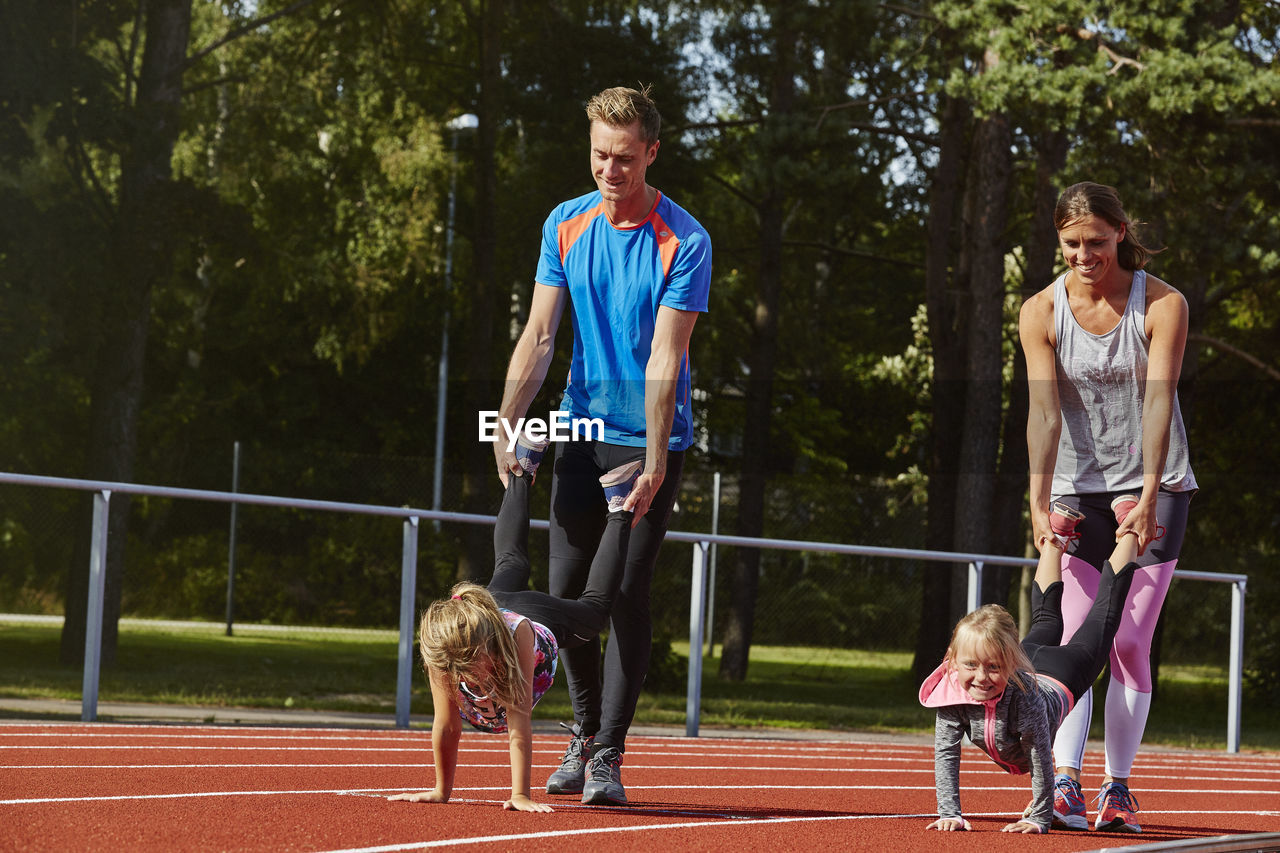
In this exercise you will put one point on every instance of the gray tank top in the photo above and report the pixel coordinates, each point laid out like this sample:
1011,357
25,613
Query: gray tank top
1102,381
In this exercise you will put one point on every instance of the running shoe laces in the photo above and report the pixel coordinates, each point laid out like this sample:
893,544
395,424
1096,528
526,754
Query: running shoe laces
605,765
1068,804
604,779
577,748
569,776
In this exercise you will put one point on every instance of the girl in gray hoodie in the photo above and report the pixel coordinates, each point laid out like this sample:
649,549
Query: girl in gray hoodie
1009,698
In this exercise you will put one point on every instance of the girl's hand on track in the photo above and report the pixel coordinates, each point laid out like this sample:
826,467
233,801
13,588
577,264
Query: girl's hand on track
421,797
950,824
1024,826
521,803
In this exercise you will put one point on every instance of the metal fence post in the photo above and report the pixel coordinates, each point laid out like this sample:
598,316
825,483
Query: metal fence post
408,586
975,585
231,538
711,583
697,623
1235,665
93,616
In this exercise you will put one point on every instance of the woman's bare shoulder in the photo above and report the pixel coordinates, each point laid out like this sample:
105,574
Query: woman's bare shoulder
1038,307
1164,298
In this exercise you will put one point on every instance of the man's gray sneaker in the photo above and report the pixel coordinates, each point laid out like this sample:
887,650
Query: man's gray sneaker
604,779
569,777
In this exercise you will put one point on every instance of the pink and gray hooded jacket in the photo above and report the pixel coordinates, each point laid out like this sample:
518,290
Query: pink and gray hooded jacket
1016,730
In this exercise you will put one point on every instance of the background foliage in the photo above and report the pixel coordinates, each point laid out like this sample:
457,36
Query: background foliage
849,159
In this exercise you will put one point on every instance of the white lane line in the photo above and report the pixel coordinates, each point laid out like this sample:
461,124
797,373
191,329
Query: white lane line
670,746
631,768
417,765
904,788
384,791
639,806
135,736
223,748
709,768
530,836
671,741
700,748
135,728
126,729
891,765
585,809
547,749
500,762
187,795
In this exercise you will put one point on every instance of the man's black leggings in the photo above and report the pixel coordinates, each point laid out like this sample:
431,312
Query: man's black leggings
604,704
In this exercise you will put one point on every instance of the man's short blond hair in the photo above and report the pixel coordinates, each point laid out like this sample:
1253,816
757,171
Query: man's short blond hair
623,107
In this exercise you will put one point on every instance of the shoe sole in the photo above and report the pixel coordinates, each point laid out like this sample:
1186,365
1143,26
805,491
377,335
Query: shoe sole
1067,512
621,474
1072,822
1118,825
601,798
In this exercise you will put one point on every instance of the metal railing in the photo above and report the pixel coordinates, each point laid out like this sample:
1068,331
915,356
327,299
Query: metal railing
976,562
698,599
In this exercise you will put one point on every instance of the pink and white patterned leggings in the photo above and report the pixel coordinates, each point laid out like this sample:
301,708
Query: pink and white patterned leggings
1129,691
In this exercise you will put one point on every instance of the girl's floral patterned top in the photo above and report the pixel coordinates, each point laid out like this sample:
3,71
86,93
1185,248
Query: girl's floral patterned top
489,717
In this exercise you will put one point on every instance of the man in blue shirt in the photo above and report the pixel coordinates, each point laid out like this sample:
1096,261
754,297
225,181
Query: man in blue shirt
635,270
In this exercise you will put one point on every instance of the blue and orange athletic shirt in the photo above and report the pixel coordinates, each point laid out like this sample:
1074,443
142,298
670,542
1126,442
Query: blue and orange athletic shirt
617,278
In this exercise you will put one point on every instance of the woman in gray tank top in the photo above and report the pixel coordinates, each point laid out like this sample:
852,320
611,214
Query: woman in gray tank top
1104,345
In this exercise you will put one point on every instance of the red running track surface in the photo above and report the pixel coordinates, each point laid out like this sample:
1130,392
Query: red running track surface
112,787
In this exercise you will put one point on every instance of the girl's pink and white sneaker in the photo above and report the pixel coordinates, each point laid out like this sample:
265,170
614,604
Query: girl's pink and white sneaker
1063,520
1123,505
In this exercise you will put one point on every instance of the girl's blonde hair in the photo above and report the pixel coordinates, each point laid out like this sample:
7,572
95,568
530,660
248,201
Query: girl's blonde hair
993,627
460,632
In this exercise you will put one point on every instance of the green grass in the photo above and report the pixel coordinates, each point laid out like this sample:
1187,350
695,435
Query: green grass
303,670
786,688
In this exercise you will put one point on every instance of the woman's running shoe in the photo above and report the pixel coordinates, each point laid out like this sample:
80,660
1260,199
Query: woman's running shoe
1068,804
1116,809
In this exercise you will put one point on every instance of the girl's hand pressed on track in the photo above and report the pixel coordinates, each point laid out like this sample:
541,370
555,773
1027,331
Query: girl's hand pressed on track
949,824
521,803
421,797
1023,826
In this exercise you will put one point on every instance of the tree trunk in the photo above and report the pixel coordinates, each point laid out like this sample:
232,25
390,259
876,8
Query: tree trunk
762,362
1042,249
948,361
141,259
983,388
755,447
480,484
1009,534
